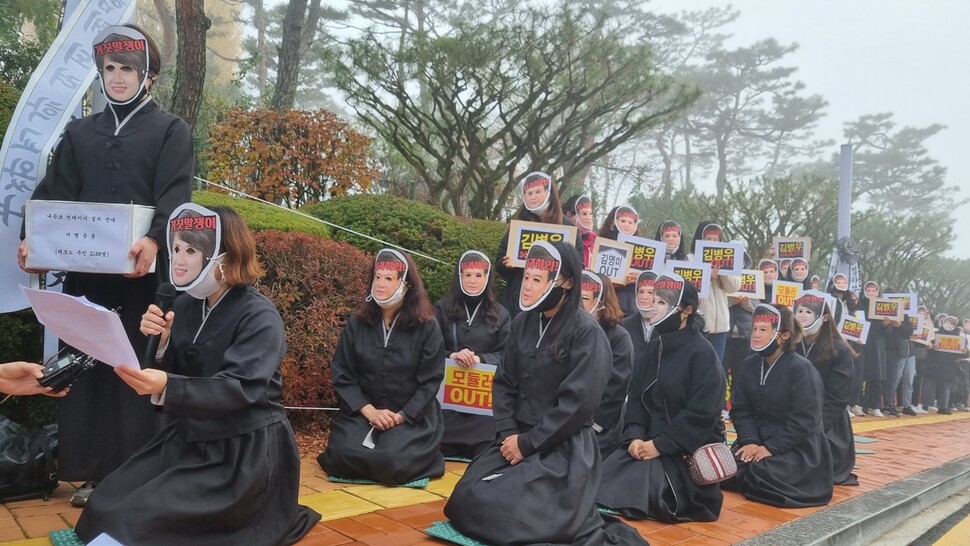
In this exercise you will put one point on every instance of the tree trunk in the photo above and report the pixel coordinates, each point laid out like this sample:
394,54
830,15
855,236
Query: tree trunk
168,31
259,20
192,25
288,67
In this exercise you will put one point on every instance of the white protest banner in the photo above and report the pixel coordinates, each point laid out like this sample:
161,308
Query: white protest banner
467,390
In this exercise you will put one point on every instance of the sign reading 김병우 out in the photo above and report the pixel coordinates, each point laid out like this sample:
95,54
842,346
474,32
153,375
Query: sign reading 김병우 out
752,284
909,299
467,390
728,257
522,234
648,255
886,308
854,328
792,247
697,274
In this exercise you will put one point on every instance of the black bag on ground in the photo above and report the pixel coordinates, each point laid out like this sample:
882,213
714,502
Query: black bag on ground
28,469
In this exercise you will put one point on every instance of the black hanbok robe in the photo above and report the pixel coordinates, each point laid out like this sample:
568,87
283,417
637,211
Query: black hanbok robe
836,374
547,498
675,400
608,419
467,434
640,334
785,416
402,376
225,470
150,162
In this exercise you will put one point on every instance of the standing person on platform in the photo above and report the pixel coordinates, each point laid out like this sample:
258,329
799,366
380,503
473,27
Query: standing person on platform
131,153
387,369
845,303
638,325
714,308
579,210
623,220
225,470
671,234
537,483
824,347
475,329
776,407
674,408
878,398
599,300
540,203
941,372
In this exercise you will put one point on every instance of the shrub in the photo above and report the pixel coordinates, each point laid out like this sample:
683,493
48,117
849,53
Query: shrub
316,284
414,226
260,216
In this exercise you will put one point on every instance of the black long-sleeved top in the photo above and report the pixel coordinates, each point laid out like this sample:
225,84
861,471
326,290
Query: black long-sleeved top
545,400
483,338
836,374
677,394
611,404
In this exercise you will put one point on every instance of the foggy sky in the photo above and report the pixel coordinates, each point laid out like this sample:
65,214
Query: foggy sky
870,56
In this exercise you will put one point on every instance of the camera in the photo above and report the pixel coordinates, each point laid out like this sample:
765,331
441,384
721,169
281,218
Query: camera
64,368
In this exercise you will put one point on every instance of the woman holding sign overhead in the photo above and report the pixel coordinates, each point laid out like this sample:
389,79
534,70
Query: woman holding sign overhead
387,369
540,203
475,328
714,308
537,482
131,153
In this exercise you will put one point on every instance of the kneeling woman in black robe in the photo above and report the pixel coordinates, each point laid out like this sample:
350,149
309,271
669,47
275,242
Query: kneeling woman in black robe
599,300
225,470
825,348
674,408
783,456
387,369
475,328
537,482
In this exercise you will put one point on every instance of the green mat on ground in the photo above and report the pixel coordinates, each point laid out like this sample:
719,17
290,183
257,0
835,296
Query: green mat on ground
608,511
458,459
64,537
444,531
420,483
860,451
862,440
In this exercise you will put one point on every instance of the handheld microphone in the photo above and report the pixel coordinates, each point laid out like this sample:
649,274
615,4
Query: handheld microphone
163,299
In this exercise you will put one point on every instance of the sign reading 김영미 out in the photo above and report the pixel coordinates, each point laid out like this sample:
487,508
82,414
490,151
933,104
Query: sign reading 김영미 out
611,258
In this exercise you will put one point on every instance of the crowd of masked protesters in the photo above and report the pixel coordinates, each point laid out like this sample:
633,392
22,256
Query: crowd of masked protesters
605,389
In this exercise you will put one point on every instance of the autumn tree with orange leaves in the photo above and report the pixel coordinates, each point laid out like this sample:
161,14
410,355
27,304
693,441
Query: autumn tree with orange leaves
290,158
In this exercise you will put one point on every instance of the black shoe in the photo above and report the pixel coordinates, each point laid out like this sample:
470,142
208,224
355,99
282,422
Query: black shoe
908,410
890,411
946,411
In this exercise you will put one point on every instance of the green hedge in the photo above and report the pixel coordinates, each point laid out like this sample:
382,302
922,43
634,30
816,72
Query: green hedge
414,226
260,216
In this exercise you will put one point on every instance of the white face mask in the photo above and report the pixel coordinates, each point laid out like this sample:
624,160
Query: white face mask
209,285
537,178
396,298
134,42
814,327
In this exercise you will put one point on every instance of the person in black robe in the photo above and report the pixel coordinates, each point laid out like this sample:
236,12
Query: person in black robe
387,369
638,325
225,470
623,220
132,152
824,347
599,300
540,203
475,329
782,453
674,408
879,358
537,482
942,370
769,269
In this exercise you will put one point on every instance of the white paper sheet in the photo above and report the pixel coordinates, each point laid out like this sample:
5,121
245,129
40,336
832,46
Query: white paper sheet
86,326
